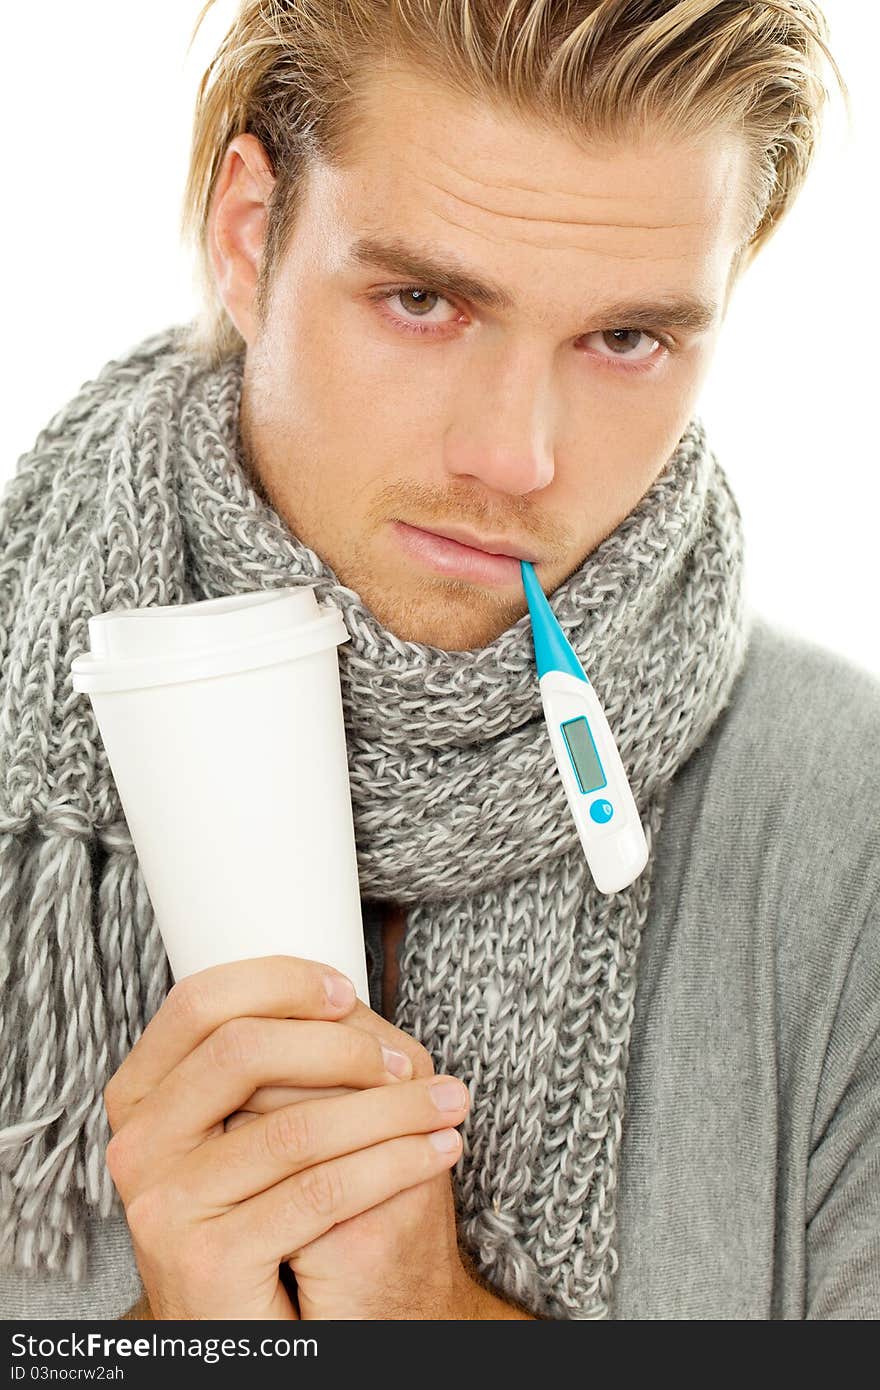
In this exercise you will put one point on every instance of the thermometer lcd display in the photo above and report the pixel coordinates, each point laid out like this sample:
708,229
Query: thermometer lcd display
582,750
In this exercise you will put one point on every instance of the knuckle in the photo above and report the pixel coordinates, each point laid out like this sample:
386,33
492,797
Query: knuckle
319,1191
302,981
109,1098
160,1218
188,1001
147,1217
289,1133
235,1044
116,1155
307,977
362,1053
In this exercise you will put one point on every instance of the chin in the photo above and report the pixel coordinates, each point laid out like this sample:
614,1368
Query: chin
451,614
465,620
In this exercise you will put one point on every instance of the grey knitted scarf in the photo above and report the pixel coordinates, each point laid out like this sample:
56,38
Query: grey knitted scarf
517,974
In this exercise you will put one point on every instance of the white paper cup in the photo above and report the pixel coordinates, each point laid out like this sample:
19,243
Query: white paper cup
222,722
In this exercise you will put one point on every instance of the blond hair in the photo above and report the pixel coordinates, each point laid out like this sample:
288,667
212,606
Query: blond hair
288,71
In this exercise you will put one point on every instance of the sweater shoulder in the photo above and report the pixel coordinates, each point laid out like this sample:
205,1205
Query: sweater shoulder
811,689
791,778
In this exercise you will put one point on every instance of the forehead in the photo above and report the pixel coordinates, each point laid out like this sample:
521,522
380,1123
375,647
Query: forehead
514,194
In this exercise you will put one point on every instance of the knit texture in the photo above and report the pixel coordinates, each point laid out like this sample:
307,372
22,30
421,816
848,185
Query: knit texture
517,974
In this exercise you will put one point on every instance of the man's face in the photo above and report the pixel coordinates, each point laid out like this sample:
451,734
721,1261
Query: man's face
375,396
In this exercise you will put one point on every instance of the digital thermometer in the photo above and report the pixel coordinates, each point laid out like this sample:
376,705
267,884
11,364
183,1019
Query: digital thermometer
590,766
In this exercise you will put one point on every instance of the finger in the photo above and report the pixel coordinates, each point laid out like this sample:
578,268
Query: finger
271,986
362,1017
241,1117
278,1222
267,1098
217,1078
254,1154
273,1097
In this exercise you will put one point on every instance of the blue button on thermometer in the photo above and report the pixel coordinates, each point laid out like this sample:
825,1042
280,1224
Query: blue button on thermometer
593,775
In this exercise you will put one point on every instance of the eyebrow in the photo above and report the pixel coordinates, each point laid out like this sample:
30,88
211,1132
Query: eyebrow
687,312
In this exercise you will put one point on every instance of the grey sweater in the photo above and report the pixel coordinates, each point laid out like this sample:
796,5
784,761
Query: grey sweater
750,1162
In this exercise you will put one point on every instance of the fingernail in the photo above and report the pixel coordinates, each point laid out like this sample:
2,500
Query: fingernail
340,991
396,1062
448,1095
444,1140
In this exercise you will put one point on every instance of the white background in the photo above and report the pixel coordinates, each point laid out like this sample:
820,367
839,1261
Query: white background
97,104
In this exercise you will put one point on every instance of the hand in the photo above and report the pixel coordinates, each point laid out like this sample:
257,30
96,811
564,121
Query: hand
400,1258
214,1213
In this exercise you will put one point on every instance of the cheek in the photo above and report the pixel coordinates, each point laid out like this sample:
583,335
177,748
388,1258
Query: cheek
352,389
616,443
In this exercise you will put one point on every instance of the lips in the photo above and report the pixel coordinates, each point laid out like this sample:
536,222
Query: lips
446,555
490,546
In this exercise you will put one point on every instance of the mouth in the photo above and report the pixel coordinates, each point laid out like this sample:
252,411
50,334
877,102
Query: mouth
462,556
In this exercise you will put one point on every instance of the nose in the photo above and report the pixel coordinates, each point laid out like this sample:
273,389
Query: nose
504,426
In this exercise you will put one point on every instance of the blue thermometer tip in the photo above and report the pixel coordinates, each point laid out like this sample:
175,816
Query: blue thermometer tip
553,651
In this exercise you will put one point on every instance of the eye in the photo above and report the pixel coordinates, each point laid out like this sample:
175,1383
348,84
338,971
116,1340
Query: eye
417,299
418,307
620,342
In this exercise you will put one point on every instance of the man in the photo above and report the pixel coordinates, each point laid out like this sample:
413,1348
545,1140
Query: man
471,333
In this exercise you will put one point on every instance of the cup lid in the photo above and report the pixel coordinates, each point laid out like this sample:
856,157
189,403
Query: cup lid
169,643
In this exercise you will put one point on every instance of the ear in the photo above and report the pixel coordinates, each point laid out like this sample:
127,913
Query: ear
237,225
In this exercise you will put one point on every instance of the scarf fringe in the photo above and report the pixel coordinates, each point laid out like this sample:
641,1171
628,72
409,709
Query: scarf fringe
59,1047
